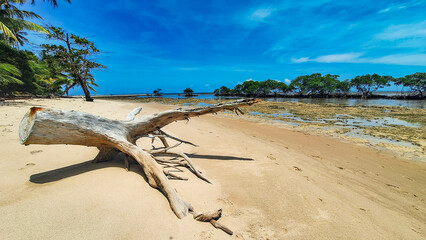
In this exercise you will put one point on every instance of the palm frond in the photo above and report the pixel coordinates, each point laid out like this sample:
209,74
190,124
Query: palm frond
6,31
53,2
16,13
27,25
9,74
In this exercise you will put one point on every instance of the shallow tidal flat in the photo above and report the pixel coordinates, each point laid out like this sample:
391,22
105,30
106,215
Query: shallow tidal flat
399,129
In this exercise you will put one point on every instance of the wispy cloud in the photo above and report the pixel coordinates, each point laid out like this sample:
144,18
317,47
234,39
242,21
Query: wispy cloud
406,4
403,31
384,10
331,58
393,59
260,14
401,59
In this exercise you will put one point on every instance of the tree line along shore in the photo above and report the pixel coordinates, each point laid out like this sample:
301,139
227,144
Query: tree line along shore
321,86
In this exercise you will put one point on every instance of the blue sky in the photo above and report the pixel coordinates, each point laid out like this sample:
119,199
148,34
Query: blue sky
173,45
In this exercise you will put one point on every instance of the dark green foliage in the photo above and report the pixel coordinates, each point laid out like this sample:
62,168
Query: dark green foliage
223,91
415,82
19,59
238,89
188,92
343,86
300,84
319,85
36,76
250,87
157,92
368,84
9,75
269,85
315,84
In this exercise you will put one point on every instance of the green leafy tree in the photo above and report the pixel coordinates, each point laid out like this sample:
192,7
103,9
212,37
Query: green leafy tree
269,85
284,88
415,82
250,87
326,84
367,84
49,77
157,92
188,92
238,89
74,54
343,86
224,90
300,84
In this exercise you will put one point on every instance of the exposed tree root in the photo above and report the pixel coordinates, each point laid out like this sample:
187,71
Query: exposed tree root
211,217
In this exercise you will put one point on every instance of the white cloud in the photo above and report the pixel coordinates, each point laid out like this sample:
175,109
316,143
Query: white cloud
402,59
331,58
403,31
260,14
384,10
207,85
300,60
345,57
393,59
287,81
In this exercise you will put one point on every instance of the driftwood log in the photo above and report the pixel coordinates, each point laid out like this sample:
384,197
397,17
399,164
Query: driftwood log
49,126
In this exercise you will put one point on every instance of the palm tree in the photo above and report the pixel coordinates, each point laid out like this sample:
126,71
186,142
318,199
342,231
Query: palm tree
13,23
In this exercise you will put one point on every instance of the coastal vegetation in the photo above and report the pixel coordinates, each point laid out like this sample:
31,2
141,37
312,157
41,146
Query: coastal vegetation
64,62
318,85
188,92
390,127
72,58
157,92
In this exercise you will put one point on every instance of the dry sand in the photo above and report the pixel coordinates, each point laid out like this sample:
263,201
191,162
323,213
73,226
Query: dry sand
272,183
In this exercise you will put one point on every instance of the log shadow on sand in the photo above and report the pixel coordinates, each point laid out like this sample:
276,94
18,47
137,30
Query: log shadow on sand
88,166
218,157
80,168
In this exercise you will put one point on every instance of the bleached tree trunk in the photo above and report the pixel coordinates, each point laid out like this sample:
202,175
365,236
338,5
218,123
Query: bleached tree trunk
49,126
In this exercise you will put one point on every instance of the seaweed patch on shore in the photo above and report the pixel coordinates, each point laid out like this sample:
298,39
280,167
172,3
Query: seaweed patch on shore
396,128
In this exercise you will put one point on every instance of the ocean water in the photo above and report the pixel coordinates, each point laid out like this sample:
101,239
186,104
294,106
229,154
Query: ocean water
341,101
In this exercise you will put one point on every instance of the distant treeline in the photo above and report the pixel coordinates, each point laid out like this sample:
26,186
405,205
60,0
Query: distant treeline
318,85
